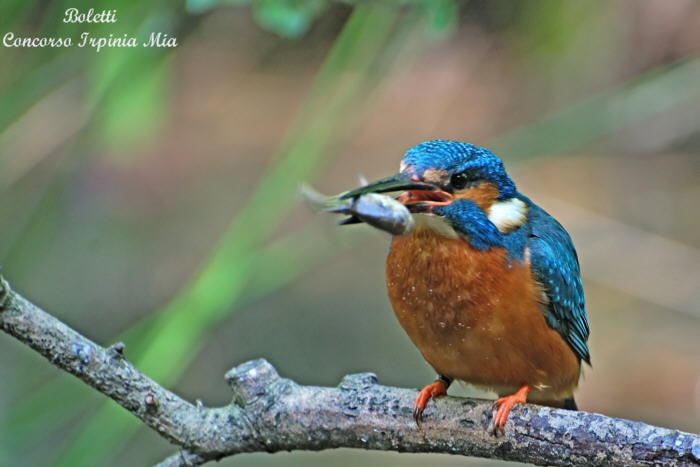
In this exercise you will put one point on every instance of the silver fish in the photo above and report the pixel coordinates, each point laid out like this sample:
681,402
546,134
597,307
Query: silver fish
378,210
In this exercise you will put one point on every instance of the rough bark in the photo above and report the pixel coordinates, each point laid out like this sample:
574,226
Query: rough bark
270,413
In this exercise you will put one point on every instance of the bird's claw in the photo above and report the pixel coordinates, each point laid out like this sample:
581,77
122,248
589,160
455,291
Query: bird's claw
417,413
431,391
505,405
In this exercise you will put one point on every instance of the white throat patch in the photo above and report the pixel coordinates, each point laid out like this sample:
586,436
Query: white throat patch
507,215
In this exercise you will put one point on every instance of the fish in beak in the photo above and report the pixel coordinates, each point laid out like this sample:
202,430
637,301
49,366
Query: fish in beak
417,196
370,205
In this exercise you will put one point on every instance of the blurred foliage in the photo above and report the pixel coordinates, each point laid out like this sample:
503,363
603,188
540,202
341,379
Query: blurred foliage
605,114
550,28
441,16
126,96
121,83
289,19
177,336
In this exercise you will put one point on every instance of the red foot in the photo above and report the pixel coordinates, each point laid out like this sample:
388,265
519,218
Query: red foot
431,391
505,404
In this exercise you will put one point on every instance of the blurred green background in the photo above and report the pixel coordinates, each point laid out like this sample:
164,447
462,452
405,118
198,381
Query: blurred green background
149,194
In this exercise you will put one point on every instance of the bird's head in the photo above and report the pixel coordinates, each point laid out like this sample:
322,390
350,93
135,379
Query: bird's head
438,177
440,172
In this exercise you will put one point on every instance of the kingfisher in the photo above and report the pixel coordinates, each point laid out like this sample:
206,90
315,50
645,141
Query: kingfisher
486,284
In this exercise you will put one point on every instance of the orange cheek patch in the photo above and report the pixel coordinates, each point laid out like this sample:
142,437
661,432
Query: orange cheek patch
483,195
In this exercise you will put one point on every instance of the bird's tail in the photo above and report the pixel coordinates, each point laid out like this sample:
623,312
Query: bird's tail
570,404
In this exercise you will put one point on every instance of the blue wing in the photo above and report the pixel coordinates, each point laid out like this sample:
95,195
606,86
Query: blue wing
555,265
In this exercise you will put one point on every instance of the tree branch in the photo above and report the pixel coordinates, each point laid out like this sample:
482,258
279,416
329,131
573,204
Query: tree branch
270,413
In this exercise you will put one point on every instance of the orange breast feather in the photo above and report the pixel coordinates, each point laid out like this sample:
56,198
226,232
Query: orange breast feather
476,317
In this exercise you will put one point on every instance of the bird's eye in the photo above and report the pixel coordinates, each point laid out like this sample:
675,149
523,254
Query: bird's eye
459,181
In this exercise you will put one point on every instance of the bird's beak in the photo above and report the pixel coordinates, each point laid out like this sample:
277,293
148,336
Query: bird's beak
425,201
398,182
418,196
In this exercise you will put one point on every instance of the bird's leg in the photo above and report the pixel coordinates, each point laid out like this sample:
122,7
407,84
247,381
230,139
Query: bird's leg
505,404
431,391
